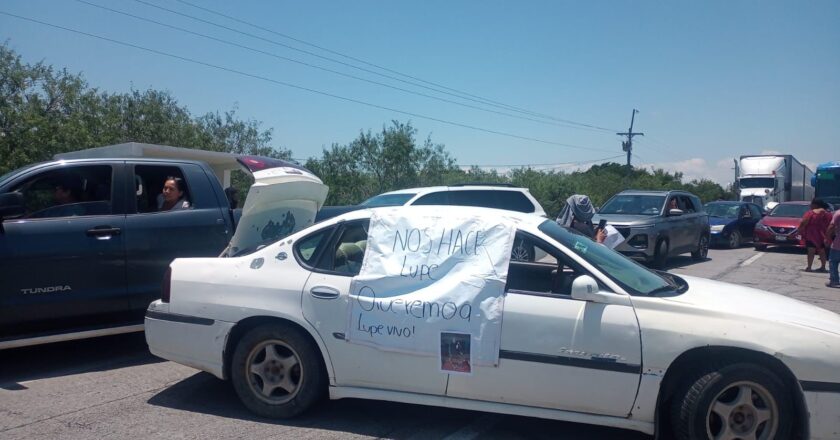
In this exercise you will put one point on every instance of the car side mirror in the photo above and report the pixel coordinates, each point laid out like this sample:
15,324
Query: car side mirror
11,205
585,288
675,211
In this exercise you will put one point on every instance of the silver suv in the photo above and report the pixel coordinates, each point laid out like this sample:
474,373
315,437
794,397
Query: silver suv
511,198
658,224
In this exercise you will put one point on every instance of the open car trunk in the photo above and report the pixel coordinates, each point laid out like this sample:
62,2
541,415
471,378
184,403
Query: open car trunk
283,199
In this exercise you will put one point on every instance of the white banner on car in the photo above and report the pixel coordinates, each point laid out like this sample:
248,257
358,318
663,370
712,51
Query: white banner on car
428,279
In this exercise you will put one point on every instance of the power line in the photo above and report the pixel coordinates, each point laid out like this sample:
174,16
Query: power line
180,29
550,165
319,92
462,95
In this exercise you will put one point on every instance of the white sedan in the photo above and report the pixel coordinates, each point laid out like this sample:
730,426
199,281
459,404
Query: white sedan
586,335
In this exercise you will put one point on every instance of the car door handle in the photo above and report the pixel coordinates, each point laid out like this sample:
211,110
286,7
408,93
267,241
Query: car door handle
324,292
103,232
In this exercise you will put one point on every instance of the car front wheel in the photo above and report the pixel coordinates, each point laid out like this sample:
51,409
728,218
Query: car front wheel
740,401
276,371
734,240
702,248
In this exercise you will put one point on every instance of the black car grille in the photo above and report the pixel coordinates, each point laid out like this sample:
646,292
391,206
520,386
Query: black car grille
779,230
624,231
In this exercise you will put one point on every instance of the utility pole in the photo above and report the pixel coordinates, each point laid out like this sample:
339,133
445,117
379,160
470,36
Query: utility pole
628,144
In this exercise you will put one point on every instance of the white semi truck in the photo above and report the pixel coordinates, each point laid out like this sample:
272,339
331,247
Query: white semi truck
773,178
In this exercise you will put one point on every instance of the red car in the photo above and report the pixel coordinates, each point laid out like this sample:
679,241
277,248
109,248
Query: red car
779,227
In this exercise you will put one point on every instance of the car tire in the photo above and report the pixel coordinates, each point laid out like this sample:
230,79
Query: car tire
761,247
734,240
702,251
660,255
277,371
736,401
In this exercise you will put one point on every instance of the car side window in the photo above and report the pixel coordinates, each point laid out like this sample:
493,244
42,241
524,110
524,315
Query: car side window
687,204
346,251
150,183
436,198
536,268
310,247
509,200
68,191
756,212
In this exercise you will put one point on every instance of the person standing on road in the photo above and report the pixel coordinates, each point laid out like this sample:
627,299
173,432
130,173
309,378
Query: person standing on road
577,214
813,226
832,239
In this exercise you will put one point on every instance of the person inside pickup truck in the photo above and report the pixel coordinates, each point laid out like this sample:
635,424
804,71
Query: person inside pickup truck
173,196
66,196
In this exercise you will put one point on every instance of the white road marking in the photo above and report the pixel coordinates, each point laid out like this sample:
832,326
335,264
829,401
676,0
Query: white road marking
752,259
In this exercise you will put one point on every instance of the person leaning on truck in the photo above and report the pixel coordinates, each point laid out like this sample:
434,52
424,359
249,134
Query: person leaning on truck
173,196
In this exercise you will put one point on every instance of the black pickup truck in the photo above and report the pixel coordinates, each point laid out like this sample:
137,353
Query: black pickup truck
91,267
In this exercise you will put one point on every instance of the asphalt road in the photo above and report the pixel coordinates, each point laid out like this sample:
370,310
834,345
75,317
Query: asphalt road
113,388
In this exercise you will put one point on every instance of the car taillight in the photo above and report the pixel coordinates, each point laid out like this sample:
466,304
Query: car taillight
165,287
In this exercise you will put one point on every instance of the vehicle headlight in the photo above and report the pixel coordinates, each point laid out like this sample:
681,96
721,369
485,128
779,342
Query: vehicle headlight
717,228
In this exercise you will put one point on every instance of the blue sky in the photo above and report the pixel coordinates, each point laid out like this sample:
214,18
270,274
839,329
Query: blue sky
712,80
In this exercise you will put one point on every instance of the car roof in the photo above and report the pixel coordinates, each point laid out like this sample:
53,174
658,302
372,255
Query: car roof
729,202
795,202
428,189
653,192
454,211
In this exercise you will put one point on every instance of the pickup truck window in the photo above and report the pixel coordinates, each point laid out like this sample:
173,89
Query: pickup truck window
149,182
68,191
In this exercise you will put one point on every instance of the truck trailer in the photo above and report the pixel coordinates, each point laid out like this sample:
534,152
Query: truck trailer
773,178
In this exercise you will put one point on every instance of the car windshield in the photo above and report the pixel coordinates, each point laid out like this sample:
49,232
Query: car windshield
796,211
757,182
388,200
628,274
726,210
633,205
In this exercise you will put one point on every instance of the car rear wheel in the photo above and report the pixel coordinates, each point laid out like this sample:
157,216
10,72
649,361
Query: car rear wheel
740,401
734,240
276,371
702,248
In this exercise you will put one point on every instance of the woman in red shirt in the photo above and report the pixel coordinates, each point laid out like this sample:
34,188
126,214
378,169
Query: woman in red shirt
813,226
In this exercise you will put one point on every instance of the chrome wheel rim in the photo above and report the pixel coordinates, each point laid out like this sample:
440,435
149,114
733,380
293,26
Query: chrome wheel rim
745,411
274,371
734,240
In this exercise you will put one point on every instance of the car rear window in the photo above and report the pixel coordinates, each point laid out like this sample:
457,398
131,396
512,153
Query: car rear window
509,200
388,200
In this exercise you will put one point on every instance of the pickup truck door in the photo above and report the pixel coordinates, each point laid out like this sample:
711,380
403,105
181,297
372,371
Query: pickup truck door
62,266
153,239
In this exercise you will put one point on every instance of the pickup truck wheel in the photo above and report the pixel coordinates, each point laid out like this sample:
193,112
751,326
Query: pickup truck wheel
660,256
734,240
702,248
739,401
277,372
